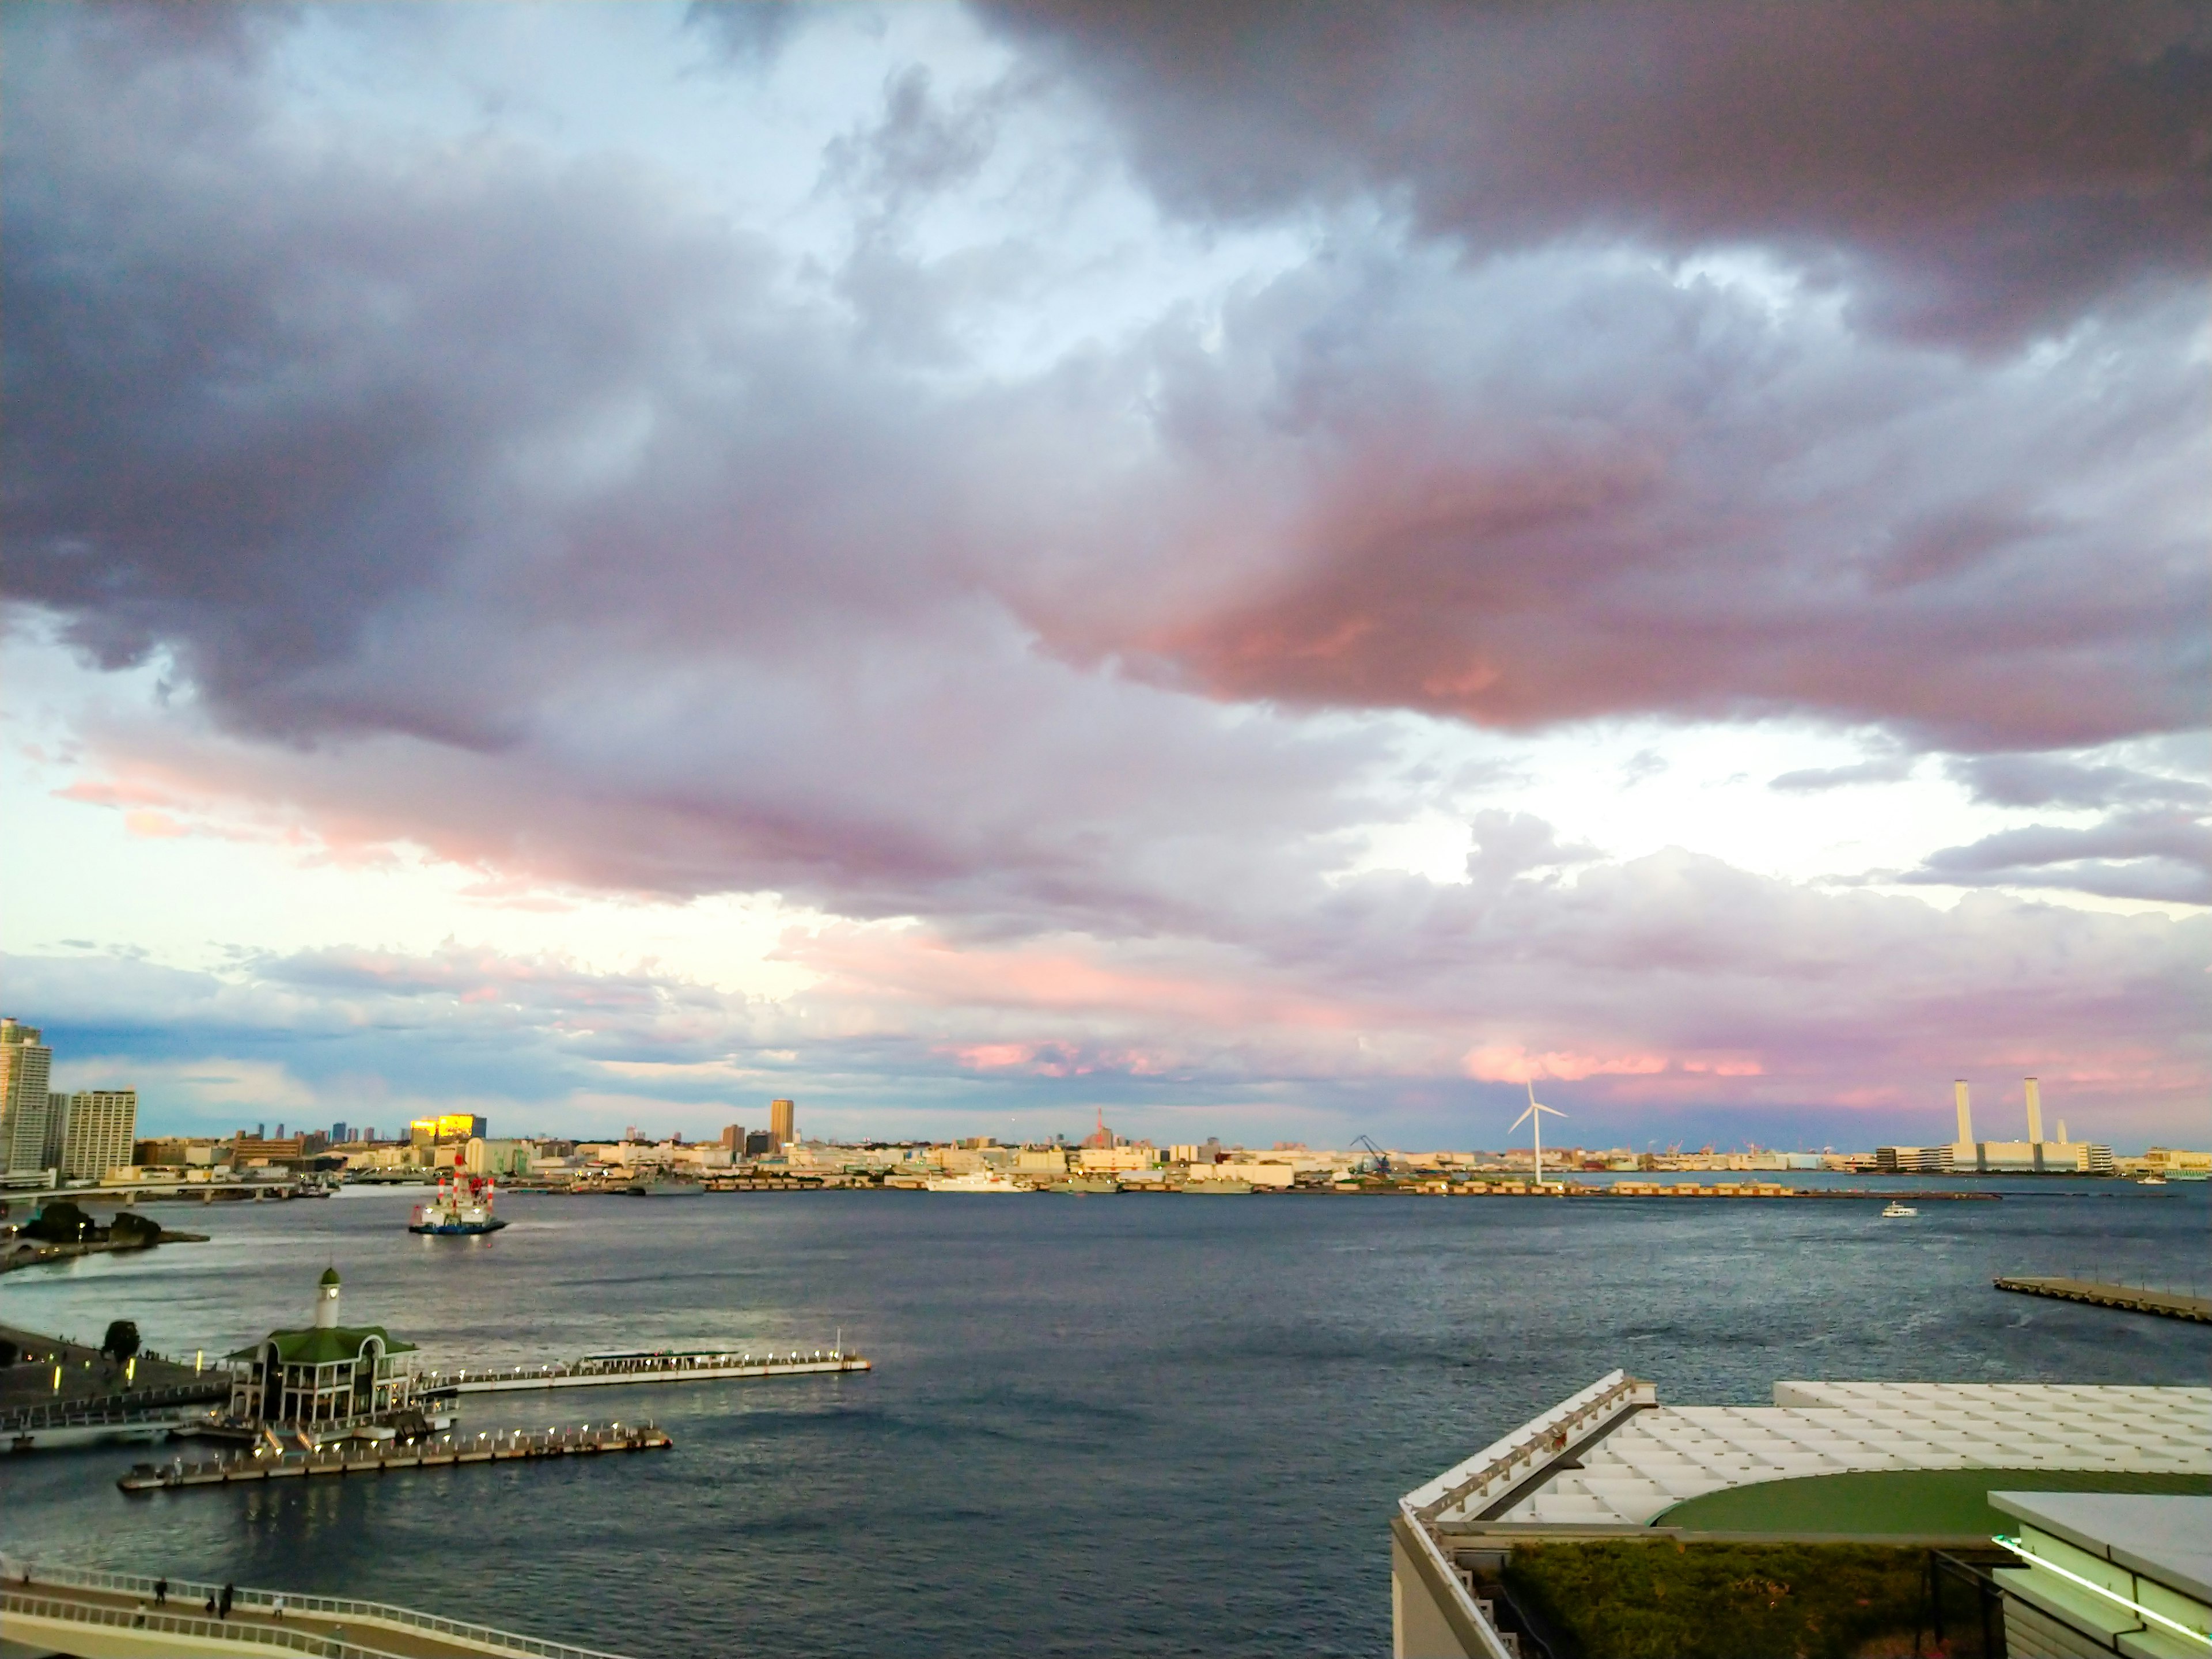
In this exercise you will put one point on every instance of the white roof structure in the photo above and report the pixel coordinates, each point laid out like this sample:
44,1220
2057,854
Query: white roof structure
1662,1455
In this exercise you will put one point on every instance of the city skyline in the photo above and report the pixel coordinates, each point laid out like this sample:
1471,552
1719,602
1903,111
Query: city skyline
585,565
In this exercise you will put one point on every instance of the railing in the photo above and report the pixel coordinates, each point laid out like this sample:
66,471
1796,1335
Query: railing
112,1408
1535,1443
21,1573
623,1365
146,1618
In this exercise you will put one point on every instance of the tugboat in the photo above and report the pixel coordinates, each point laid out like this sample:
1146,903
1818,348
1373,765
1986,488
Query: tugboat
462,1207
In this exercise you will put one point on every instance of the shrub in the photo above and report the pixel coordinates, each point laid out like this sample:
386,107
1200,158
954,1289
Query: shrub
1637,1601
59,1222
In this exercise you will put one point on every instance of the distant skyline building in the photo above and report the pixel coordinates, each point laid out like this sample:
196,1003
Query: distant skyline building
98,1128
26,1104
449,1129
733,1140
782,1122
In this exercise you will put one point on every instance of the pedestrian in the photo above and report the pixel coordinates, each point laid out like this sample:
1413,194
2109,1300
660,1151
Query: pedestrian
210,1606
278,1607
138,1619
160,1592
228,1591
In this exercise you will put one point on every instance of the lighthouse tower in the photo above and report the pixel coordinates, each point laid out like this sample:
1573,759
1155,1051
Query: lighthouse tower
326,1301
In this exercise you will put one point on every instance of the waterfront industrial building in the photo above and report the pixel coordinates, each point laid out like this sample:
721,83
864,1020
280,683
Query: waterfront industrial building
1853,1462
326,1380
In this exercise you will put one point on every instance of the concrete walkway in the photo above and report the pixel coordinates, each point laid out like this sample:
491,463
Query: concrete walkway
101,1621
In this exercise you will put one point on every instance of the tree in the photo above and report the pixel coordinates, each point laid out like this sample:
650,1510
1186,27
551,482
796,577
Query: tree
9,1353
59,1222
121,1341
132,1229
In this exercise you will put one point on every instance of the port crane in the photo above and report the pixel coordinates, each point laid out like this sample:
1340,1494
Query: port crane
1377,1160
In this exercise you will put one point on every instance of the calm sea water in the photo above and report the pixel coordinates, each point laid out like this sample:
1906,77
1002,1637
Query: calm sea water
1097,1426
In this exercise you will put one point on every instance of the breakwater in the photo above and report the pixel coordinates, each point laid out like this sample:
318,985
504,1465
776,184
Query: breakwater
386,1456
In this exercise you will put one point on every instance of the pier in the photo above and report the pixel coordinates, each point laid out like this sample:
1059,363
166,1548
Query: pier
109,1615
2170,1304
600,1370
380,1456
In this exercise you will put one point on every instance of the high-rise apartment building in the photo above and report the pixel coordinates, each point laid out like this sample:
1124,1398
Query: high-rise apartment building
782,1122
25,1105
98,1125
733,1140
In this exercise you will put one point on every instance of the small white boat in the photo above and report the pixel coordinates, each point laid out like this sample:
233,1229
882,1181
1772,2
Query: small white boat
975,1180
2151,1181
1896,1208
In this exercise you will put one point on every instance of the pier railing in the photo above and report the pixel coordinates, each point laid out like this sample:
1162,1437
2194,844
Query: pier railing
641,1367
22,1577
113,1408
20,1605
1500,1467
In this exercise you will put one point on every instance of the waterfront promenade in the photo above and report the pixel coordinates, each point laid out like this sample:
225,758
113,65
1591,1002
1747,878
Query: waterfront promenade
100,1615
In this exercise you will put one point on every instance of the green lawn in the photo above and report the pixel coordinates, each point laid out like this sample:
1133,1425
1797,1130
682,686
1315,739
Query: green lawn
1917,1503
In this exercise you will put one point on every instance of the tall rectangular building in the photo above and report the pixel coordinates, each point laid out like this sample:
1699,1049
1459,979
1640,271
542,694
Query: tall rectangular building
782,1123
97,1127
25,1106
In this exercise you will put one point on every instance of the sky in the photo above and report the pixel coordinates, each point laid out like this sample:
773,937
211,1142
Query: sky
1270,571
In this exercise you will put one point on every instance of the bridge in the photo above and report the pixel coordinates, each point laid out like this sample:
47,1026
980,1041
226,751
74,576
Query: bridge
106,1615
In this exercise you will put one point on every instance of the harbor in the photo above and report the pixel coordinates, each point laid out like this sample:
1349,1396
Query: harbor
369,1456
2130,1298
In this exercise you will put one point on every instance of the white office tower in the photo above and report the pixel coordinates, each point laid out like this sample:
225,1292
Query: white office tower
98,1128
1962,1150
2035,1112
25,1107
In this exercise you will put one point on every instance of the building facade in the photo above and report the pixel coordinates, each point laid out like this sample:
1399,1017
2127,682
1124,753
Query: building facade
97,1127
25,1105
782,1122
326,1379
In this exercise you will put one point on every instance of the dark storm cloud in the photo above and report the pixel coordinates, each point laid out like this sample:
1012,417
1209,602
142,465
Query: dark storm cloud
1973,168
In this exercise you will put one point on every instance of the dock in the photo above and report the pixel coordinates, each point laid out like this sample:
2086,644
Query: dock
71,1610
381,1457
2133,1298
601,1369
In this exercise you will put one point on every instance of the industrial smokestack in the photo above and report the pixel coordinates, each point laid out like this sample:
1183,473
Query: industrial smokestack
2034,1112
2064,1139
1965,1117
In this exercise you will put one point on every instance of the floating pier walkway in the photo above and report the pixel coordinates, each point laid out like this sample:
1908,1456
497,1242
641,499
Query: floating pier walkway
2173,1304
600,1370
379,1457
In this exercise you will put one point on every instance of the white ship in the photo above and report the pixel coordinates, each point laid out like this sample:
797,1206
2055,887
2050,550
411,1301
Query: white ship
1896,1208
462,1208
975,1180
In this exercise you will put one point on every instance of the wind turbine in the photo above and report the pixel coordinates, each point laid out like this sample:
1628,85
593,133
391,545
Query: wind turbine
1534,1117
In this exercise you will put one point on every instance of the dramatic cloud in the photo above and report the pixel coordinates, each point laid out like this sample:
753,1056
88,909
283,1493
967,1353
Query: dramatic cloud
1056,490
1969,170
